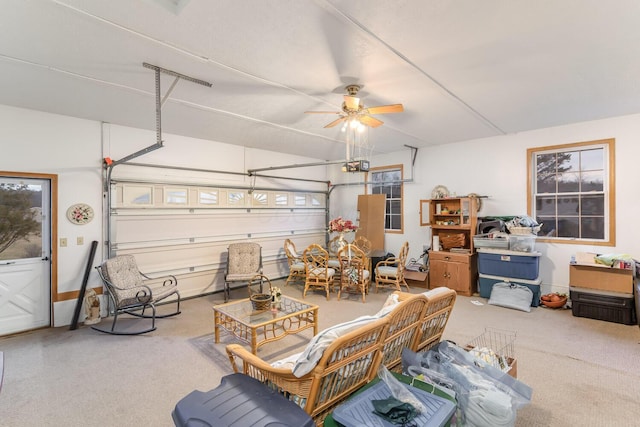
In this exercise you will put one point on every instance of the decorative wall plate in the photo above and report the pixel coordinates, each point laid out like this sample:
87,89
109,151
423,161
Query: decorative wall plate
440,192
80,213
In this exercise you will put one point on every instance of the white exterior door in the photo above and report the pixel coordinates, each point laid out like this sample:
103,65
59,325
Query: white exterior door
25,247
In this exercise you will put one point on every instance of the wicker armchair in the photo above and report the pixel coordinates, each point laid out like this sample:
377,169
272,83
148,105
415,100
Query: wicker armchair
294,259
436,316
352,359
404,325
390,272
128,291
349,363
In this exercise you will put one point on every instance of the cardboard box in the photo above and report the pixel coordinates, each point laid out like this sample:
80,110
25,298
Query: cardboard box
417,278
514,367
597,276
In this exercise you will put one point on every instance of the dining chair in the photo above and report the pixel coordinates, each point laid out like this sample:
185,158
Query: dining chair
390,272
364,244
294,259
318,274
355,276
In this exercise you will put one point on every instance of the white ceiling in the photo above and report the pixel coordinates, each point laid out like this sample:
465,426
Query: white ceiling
463,70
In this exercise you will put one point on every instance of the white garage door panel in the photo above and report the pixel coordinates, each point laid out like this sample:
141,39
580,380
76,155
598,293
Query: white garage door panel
185,229
180,259
130,229
177,259
193,284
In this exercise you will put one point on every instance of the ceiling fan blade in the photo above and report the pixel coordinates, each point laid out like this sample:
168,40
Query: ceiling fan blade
384,109
322,112
371,121
351,102
335,122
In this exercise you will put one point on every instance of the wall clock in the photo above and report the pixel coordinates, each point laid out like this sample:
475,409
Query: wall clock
80,213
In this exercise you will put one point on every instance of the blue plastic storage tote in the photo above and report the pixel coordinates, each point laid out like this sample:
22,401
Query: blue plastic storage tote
518,265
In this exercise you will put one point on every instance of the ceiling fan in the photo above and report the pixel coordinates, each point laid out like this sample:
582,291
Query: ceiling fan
352,109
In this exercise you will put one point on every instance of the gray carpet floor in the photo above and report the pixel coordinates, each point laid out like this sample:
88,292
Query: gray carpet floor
583,372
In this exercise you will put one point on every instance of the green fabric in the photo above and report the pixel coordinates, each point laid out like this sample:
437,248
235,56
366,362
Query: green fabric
394,410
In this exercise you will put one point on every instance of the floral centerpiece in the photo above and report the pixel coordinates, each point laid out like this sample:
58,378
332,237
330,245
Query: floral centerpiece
340,225
276,295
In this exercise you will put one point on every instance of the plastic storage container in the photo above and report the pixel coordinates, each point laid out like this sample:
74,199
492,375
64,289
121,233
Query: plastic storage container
490,226
358,410
239,400
486,282
491,241
603,305
522,243
518,265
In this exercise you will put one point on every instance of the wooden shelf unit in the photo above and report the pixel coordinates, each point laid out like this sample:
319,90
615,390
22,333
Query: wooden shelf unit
450,218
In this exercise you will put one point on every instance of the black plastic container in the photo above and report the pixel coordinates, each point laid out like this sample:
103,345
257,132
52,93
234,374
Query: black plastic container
601,305
239,400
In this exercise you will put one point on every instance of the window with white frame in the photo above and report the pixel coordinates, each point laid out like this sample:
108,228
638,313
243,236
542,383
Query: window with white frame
176,196
282,199
260,198
388,181
571,192
208,197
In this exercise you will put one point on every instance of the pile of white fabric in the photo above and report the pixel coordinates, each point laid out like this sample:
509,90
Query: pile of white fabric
484,404
487,397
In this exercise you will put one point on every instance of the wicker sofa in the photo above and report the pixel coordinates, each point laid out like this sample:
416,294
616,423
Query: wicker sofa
353,357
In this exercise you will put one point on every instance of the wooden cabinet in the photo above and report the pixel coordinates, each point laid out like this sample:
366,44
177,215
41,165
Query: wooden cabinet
453,221
455,271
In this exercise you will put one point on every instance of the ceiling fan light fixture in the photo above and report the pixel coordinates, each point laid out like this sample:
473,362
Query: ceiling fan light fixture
354,113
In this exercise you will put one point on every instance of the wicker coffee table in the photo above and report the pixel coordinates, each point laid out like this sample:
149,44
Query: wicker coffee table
258,327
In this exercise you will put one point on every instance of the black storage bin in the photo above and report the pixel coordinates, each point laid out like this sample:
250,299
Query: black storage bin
490,226
602,305
239,400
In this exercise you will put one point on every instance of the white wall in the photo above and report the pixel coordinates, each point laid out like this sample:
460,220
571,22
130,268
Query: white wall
32,141
36,142
496,167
